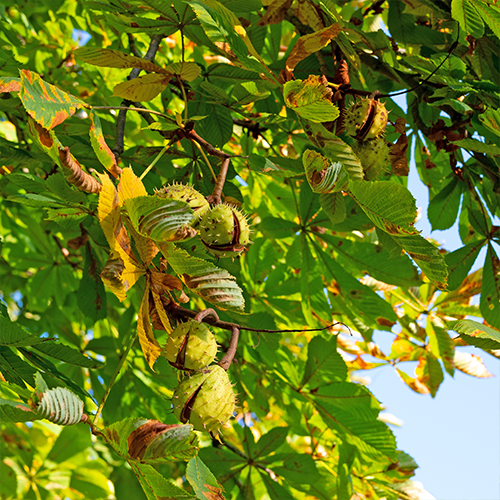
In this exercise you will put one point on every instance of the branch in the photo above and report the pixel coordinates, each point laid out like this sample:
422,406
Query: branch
216,195
120,122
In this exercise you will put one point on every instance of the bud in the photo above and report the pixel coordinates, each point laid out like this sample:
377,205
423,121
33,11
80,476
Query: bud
191,346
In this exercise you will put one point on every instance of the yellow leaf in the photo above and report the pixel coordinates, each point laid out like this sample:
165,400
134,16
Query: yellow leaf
150,347
142,88
145,247
130,186
308,44
120,275
162,313
108,210
186,70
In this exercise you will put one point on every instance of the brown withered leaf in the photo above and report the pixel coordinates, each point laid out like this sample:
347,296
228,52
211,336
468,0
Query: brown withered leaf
398,156
75,175
78,242
341,75
214,493
275,13
399,126
308,44
139,439
162,282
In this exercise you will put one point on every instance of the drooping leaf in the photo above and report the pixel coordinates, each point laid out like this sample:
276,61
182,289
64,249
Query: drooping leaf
209,282
333,205
465,12
443,208
10,411
12,334
161,219
188,71
460,262
310,99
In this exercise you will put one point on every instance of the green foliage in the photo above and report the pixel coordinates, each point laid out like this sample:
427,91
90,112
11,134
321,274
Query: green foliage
244,101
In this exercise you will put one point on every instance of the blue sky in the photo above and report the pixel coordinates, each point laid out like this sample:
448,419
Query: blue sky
454,437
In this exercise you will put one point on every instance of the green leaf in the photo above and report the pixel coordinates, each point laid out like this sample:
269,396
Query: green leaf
443,208
217,127
460,262
108,58
491,120
209,282
38,200
310,99
442,346
490,290
67,354
490,14
99,145
324,176
465,12
481,147
221,25
45,103
66,217
324,364
156,486
333,205
389,205
203,481
142,88
12,334
270,165
71,441
91,295
351,410
274,489
427,256
270,442
14,369
10,411
161,219
475,333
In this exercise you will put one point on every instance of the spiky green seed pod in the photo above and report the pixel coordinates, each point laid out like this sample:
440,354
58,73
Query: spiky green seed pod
366,119
205,399
224,230
191,346
374,156
186,193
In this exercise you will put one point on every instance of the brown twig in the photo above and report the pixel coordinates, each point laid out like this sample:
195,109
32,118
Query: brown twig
226,361
120,122
211,150
216,196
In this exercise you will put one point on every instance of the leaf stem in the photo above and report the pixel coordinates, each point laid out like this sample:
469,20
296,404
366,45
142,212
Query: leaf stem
123,357
206,160
184,96
131,108
154,162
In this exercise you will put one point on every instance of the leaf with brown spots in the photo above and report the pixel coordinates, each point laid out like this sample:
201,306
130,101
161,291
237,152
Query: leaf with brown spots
47,104
101,149
10,84
275,12
308,44
149,345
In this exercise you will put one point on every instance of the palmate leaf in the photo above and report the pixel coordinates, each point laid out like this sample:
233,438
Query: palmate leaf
67,354
460,262
443,208
14,369
333,205
476,334
46,104
352,411
12,334
466,14
108,58
211,283
310,99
